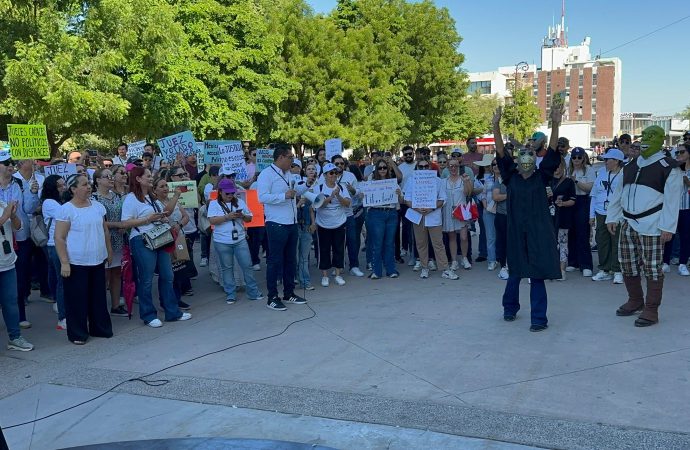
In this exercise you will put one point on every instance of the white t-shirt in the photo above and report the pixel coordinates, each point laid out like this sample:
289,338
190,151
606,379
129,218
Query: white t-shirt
132,208
222,233
333,214
6,260
50,210
589,176
86,238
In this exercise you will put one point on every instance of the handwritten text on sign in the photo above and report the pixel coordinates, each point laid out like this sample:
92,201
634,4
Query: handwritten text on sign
189,197
264,158
28,141
211,152
177,143
136,149
424,189
232,159
62,170
333,147
380,192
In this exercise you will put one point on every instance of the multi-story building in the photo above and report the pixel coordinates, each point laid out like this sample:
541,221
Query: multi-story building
592,85
634,122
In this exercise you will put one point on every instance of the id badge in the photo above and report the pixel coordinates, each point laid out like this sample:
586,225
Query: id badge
606,205
552,210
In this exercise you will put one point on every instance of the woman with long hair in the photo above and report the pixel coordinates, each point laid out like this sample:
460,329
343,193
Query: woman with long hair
104,193
561,195
51,200
579,248
119,179
190,230
458,187
82,241
382,222
141,212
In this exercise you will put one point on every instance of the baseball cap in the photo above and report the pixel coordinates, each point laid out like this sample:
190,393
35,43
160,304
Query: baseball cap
5,154
297,162
328,167
134,160
537,135
456,151
577,151
224,171
614,153
563,140
227,186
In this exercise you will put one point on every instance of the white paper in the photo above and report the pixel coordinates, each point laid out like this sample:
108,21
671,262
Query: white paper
63,170
424,189
333,147
232,159
379,192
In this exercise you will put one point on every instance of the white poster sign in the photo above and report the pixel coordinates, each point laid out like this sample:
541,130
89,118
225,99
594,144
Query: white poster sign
264,158
333,147
183,143
63,170
380,192
232,159
424,189
136,149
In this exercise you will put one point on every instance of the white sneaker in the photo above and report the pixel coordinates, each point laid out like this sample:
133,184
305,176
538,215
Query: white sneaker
356,272
324,281
61,325
424,274
466,263
587,273
618,278
403,253
411,262
492,265
675,261
503,274
570,269
602,276
450,275
454,266
155,323
417,266
340,280
562,278
204,262
432,265
24,324
256,267
665,268
185,316
683,270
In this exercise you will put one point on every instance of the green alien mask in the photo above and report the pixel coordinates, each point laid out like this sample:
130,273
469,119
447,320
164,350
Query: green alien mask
652,140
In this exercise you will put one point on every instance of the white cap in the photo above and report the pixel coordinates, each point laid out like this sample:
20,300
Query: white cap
224,171
328,167
614,153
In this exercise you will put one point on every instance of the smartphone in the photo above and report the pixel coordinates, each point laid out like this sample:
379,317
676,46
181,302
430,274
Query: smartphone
93,153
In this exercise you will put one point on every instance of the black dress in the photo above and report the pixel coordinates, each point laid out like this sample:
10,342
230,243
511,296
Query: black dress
532,249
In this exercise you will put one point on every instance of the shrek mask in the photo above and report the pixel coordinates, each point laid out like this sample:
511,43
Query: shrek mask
652,140
526,160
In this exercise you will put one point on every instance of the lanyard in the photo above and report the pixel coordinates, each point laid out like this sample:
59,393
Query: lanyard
281,176
609,189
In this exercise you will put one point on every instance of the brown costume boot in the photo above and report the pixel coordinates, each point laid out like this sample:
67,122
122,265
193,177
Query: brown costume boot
650,315
635,297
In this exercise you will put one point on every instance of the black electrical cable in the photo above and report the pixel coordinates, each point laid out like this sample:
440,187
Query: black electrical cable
157,383
647,34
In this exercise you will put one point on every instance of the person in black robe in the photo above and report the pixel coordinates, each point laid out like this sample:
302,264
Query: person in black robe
532,249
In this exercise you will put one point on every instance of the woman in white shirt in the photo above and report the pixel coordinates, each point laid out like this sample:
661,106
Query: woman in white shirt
141,212
82,241
458,186
579,248
227,214
51,201
330,225
428,222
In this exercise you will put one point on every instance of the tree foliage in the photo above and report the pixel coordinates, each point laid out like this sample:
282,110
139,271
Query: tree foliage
521,116
686,113
374,72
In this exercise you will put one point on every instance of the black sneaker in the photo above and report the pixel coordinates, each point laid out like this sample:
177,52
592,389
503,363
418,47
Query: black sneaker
509,317
480,259
120,311
537,328
275,304
183,306
296,299
188,293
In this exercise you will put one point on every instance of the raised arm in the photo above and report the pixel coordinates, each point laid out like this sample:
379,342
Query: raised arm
556,118
498,138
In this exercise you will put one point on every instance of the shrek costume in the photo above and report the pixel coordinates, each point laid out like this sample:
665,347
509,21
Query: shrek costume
646,206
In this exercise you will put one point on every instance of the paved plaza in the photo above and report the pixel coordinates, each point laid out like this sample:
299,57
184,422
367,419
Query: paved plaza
390,363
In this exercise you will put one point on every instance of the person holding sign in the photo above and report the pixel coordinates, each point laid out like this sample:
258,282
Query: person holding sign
382,222
228,214
277,191
428,222
532,249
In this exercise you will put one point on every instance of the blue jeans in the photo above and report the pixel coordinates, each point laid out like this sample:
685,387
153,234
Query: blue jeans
303,252
353,238
490,229
282,254
381,225
226,262
146,262
8,301
537,296
482,230
55,280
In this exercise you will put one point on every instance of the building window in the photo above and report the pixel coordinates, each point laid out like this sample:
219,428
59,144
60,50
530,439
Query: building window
567,80
483,87
594,79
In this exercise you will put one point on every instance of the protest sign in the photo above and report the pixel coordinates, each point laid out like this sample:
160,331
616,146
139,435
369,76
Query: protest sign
28,141
232,159
211,152
333,147
264,158
380,192
136,149
200,147
63,170
424,189
251,198
170,146
189,197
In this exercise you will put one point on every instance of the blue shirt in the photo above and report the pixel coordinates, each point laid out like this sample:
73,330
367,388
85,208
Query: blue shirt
27,202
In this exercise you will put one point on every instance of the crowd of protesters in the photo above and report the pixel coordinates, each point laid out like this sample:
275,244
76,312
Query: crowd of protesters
98,225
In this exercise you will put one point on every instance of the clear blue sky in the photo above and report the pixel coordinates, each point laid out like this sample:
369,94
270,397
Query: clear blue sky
656,69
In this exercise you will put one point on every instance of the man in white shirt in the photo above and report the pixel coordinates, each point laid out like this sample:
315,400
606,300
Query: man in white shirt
121,157
277,191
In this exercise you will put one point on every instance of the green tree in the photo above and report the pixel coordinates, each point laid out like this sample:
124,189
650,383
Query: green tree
521,116
470,117
686,113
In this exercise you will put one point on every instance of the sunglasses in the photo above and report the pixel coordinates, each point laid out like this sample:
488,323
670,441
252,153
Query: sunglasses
340,164
577,157
294,165
624,142
493,164
382,168
680,152
333,172
7,163
107,165
442,161
425,166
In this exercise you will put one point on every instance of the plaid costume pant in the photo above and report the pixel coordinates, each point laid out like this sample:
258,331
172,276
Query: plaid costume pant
639,253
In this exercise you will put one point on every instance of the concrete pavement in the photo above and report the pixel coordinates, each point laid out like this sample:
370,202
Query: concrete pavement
416,354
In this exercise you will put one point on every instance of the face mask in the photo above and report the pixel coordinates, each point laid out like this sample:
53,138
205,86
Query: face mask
652,140
526,160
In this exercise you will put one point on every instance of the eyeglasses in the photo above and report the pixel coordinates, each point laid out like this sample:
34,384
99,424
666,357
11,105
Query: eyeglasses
181,174
107,177
311,160
577,157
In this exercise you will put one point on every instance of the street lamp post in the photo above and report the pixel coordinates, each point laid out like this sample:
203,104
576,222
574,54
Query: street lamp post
523,67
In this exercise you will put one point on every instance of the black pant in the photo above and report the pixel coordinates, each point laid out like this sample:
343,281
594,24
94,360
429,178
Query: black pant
501,224
23,266
255,238
3,443
331,241
86,310
579,248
